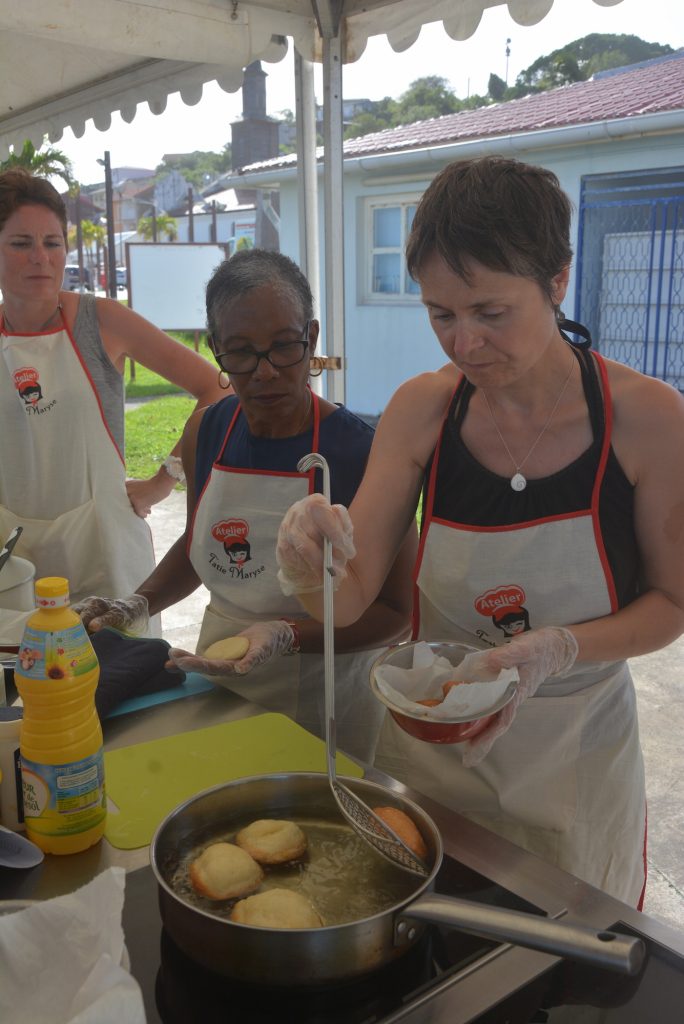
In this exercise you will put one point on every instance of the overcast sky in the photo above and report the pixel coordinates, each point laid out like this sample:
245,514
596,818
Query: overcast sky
378,73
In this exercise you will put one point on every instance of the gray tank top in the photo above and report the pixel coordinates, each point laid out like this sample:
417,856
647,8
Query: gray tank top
106,378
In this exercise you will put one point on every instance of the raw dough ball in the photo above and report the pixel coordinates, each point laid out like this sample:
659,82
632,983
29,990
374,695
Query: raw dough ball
276,908
272,841
224,871
230,649
407,831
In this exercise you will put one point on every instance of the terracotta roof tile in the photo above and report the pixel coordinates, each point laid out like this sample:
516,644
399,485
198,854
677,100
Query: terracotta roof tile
650,87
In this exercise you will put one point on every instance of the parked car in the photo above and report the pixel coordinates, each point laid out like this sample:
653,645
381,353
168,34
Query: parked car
121,277
72,280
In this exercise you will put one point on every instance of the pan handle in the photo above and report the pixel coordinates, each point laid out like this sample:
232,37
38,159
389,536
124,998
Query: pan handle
610,950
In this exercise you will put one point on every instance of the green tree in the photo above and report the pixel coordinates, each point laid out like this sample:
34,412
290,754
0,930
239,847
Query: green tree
198,167
496,88
427,97
45,163
164,225
579,60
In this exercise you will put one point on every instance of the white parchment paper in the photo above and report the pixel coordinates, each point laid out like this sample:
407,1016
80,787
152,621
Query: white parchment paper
403,687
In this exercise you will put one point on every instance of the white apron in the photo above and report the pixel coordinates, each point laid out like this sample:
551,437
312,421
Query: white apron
566,781
232,548
62,477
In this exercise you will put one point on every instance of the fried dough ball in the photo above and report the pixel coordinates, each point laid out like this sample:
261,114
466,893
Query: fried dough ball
430,702
224,871
407,831
230,649
276,908
271,841
449,685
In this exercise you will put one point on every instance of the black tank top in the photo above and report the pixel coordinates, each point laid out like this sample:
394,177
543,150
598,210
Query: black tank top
468,493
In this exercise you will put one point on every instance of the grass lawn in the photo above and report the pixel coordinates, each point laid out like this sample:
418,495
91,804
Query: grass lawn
151,432
148,384
153,428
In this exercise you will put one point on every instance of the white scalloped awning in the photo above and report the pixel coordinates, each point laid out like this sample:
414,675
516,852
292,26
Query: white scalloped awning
66,61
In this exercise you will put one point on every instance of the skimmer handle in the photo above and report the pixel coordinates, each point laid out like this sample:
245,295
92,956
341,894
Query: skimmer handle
316,461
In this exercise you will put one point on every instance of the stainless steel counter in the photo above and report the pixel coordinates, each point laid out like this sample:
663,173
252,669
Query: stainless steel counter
479,987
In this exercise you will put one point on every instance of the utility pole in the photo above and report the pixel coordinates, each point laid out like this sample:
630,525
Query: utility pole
508,53
111,240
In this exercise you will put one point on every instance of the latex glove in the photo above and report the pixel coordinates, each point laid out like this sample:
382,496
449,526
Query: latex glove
128,614
300,544
266,640
537,655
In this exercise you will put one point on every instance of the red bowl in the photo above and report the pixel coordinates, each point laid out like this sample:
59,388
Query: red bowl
441,732
418,726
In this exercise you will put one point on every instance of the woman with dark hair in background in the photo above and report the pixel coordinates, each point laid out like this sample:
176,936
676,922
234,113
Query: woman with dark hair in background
62,472
240,458
549,482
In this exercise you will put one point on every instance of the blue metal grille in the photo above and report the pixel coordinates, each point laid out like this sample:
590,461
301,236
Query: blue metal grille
630,287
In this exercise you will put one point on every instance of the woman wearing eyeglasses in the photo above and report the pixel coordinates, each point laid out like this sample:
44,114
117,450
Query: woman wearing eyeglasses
240,459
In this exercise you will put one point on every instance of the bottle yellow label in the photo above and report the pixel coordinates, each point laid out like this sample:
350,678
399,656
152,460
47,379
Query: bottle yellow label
60,654
64,799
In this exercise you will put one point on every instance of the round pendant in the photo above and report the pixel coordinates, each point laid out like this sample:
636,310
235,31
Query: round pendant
518,482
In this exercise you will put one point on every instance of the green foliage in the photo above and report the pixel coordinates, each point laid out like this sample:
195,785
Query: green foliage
197,165
151,432
94,235
430,97
496,87
579,60
45,163
165,225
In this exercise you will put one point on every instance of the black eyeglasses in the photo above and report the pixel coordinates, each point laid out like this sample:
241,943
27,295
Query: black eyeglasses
280,355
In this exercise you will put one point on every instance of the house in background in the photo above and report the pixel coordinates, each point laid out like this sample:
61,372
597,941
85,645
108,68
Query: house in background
616,143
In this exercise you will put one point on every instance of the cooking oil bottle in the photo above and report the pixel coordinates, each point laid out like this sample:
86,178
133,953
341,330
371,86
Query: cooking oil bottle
60,742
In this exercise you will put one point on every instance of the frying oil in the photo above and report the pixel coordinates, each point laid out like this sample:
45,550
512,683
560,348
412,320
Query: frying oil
341,875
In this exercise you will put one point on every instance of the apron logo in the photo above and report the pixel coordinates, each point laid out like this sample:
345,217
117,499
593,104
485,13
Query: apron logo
26,383
232,533
505,606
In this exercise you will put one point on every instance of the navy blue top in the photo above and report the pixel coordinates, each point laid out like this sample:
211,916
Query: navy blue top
344,441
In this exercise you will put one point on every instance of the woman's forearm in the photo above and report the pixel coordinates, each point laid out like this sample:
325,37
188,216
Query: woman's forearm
380,626
651,622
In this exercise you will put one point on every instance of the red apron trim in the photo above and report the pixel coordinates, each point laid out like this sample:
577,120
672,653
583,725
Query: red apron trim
255,472
600,473
511,528
427,516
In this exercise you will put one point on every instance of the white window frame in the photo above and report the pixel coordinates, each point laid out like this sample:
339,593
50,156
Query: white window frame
367,295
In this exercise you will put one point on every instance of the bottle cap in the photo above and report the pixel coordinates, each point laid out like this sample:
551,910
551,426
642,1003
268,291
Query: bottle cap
52,592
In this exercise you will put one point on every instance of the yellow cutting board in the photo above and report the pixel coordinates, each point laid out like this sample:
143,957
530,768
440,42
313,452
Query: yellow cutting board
146,781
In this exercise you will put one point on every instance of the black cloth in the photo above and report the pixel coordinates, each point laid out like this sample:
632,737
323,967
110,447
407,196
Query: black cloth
130,666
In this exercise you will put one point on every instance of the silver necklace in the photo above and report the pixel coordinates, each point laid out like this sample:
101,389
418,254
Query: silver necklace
518,481
42,326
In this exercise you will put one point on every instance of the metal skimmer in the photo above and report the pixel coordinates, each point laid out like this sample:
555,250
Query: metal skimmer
359,815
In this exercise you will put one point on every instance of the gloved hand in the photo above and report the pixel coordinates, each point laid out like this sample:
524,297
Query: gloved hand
300,544
266,640
539,654
128,614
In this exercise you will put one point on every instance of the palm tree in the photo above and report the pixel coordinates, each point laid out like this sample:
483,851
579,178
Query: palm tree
163,224
45,163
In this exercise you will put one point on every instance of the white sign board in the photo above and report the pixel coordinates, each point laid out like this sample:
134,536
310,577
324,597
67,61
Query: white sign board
167,282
